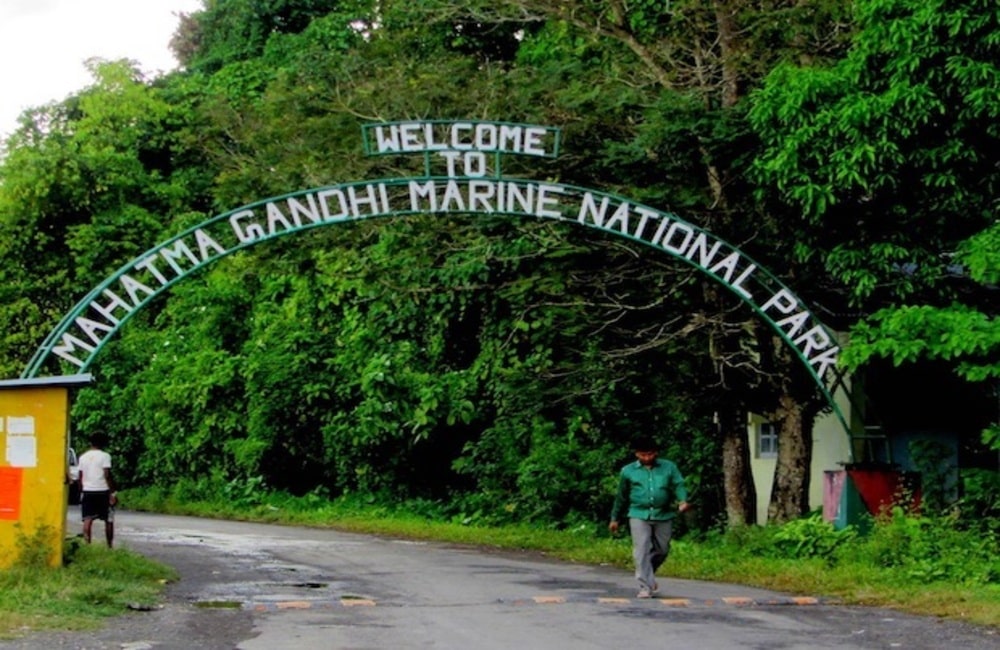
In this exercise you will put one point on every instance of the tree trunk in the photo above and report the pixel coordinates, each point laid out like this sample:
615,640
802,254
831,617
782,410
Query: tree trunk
741,496
790,491
730,43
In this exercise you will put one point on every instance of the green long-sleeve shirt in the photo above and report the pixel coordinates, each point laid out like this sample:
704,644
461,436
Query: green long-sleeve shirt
651,493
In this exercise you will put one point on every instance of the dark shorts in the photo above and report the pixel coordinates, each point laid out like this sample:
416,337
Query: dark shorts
97,505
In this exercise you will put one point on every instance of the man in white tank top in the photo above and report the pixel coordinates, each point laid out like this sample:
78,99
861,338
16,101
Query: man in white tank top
97,489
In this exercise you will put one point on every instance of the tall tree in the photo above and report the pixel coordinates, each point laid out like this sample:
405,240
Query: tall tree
234,31
86,184
890,155
702,58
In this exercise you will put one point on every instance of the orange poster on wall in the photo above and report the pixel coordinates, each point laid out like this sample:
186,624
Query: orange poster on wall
10,493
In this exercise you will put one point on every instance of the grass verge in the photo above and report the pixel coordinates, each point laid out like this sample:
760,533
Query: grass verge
95,583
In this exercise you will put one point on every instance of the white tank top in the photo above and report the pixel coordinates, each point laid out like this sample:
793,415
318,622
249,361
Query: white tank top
92,465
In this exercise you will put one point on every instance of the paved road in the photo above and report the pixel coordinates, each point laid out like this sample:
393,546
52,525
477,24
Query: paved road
255,587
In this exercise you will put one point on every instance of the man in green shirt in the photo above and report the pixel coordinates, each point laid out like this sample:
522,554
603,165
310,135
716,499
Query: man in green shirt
650,492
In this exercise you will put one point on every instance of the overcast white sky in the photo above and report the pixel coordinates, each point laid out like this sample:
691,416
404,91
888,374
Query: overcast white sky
43,44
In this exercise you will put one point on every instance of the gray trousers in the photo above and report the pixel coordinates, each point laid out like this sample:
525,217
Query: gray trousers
650,548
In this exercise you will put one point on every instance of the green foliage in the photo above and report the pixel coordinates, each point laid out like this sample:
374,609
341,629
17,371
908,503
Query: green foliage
231,31
564,474
33,548
934,462
892,149
800,539
991,437
890,156
980,500
812,537
910,550
980,254
244,493
960,333
84,186
934,549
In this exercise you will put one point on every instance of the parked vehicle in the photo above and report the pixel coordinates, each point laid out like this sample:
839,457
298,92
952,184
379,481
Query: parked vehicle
73,474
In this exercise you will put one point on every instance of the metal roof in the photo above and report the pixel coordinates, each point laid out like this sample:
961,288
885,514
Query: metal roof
38,382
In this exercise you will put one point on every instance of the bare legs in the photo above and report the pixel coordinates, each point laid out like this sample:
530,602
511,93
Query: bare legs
109,531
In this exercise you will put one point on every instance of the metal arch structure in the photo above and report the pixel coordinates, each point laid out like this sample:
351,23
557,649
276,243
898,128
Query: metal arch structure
477,189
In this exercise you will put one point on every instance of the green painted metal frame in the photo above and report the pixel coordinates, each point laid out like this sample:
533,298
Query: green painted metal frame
762,279
177,248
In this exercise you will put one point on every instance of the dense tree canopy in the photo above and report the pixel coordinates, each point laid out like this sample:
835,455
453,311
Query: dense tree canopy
502,365
893,153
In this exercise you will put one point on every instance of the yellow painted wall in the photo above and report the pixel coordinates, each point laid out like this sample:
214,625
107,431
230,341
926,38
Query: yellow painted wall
33,491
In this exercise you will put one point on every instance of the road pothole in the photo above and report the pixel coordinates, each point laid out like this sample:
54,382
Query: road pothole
219,604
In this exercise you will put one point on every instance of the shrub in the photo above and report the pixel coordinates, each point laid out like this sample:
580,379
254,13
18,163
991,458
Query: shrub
980,502
933,549
33,549
811,537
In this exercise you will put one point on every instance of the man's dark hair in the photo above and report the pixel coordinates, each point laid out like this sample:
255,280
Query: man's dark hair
645,443
99,440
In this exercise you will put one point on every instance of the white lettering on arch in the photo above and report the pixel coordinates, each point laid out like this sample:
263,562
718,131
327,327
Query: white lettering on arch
87,328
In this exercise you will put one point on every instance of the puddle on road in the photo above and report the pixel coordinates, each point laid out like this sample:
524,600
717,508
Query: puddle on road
219,604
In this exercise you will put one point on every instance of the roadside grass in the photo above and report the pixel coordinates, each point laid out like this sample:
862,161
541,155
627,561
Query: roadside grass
95,582
848,583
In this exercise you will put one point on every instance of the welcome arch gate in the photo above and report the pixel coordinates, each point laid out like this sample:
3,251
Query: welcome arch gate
470,155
